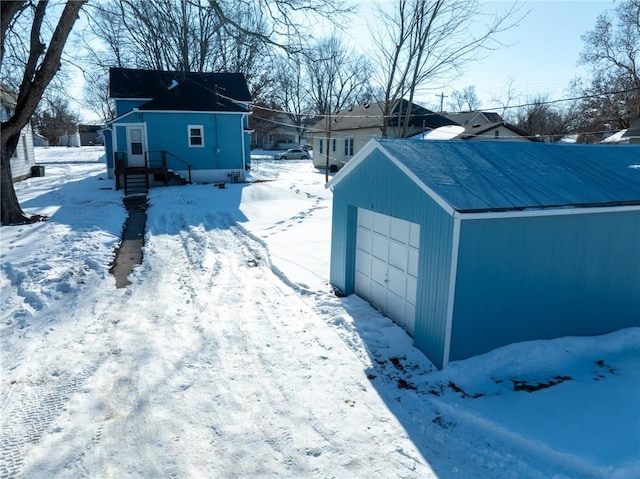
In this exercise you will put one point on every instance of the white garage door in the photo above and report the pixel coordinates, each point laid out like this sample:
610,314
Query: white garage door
387,265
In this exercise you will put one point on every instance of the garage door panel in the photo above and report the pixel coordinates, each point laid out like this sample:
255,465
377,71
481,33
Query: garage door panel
400,230
398,255
412,267
378,271
362,285
365,218
381,224
414,236
363,240
396,308
378,296
410,318
412,286
397,282
363,263
380,247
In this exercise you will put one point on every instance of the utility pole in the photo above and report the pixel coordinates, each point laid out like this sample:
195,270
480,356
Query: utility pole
442,97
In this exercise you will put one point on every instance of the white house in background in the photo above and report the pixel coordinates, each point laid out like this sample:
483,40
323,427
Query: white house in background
484,125
23,158
344,134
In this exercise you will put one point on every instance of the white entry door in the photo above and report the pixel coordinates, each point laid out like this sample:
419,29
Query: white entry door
135,146
387,252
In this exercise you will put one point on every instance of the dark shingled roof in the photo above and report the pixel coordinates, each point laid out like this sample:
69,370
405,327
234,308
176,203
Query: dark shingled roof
371,116
133,83
190,96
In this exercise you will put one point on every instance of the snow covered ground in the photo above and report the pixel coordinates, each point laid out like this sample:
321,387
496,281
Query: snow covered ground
228,356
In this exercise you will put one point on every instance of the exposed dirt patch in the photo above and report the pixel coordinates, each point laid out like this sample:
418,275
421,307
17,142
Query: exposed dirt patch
523,385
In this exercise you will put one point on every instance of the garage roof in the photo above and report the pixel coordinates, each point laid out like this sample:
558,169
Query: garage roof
483,176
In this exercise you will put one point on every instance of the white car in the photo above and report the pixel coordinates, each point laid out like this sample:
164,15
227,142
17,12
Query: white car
293,154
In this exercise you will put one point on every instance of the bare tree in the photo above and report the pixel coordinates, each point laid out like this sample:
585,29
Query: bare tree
465,99
54,118
612,51
428,41
544,120
291,93
337,77
40,66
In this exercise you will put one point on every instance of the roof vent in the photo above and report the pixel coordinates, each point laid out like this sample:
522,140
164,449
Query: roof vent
475,125
367,105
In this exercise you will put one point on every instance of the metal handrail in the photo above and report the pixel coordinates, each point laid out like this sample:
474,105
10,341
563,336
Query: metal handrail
164,162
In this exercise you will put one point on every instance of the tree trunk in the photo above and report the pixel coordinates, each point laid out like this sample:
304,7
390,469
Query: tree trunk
35,79
11,212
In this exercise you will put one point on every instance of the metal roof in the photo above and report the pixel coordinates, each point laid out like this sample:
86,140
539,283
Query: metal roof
487,176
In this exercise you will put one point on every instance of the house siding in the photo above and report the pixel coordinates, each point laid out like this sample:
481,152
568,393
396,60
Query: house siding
503,134
225,143
522,279
21,165
379,185
360,138
108,148
126,105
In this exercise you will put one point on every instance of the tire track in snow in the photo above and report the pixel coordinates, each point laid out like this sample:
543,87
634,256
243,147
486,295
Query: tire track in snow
239,394
29,418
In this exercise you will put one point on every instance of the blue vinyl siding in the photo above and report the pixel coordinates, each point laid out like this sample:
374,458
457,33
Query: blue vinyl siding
108,146
123,105
378,185
222,138
543,277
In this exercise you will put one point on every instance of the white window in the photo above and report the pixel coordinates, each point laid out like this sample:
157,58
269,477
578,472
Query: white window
348,147
196,135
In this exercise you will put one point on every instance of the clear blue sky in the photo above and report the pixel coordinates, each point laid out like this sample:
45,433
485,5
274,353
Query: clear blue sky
541,53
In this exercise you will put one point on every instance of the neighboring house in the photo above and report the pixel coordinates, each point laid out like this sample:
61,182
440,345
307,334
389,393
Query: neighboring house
483,125
343,135
177,127
628,136
90,135
23,160
273,131
39,140
70,139
475,245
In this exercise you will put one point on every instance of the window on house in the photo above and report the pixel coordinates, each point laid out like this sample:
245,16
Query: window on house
196,135
320,146
348,147
334,144
496,134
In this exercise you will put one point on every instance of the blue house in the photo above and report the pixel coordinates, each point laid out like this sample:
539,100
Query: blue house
177,127
475,245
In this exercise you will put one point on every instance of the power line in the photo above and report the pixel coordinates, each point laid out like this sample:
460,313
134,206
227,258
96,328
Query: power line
522,105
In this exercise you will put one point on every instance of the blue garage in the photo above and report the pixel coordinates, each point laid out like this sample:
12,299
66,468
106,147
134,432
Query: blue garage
474,245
